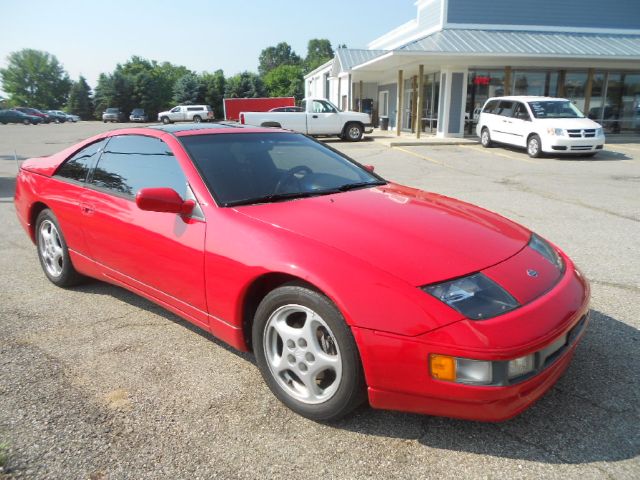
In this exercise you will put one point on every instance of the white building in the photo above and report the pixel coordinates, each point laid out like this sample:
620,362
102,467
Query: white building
456,53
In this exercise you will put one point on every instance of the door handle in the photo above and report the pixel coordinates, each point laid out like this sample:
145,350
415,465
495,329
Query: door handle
314,116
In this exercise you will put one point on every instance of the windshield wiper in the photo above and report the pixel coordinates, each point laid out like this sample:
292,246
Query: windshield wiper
353,186
272,197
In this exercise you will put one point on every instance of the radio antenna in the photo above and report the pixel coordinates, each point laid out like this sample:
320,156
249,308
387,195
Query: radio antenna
15,157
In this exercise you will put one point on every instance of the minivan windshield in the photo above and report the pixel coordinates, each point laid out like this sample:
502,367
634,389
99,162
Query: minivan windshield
555,109
251,168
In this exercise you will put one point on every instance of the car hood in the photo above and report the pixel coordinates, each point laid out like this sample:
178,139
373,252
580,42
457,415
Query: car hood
417,236
568,123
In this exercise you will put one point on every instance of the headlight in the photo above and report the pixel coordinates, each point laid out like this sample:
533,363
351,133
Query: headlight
477,297
461,370
599,132
521,366
541,246
558,132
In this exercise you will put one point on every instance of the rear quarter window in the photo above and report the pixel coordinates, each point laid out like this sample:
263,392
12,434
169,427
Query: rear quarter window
78,166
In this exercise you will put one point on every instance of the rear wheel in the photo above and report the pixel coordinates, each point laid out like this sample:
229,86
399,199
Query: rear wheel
53,252
26,121
307,354
197,119
534,146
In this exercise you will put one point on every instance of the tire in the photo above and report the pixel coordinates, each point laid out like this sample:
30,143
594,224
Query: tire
197,118
353,132
485,138
534,146
165,120
26,121
53,252
306,353
104,121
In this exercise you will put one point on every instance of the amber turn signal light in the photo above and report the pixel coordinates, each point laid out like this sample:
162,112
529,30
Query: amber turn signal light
443,367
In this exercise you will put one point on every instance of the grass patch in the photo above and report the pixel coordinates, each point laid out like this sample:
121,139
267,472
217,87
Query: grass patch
4,453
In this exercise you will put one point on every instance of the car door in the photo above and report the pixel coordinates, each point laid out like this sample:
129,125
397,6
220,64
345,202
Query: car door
520,124
158,254
503,128
323,119
176,114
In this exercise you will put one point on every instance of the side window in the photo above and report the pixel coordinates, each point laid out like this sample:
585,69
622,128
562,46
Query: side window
505,108
175,109
77,167
520,111
490,107
132,162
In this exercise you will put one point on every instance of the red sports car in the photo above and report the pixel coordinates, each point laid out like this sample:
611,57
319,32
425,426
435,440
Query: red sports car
344,285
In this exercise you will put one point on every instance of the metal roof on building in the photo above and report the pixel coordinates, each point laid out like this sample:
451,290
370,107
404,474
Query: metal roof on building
468,41
350,57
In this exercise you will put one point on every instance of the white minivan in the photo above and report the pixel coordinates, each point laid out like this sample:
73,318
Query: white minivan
539,124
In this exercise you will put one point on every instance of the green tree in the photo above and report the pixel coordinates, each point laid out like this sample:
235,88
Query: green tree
187,90
272,57
36,79
319,51
285,81
244,85
80,102
213,91
115,90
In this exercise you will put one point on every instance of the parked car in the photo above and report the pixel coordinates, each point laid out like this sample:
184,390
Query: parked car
71,117
341,283
35,112
287,109
319,117
113,114
57,116
15,116
68,116
187,113
539,124
138,115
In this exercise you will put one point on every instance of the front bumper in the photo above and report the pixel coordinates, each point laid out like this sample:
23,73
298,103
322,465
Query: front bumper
368,128
397,370
563,144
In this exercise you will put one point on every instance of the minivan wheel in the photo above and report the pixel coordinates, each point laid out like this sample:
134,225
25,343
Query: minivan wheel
197,119
534,146
485,138
307,354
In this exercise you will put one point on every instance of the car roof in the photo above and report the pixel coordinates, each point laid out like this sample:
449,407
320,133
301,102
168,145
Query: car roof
528,98
209,128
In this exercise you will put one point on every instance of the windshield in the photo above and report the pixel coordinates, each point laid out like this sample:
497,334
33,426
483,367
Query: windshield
555,109
112,110
248,168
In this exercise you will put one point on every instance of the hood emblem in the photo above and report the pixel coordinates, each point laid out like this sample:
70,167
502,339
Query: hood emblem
532,273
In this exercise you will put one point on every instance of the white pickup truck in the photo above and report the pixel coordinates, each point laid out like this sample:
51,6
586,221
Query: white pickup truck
187,113
320,117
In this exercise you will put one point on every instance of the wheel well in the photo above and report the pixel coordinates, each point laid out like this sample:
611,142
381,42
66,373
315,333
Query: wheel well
531,135
36,208
257,291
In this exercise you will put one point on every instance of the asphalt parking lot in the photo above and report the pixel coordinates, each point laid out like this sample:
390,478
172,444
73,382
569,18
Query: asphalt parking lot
97,383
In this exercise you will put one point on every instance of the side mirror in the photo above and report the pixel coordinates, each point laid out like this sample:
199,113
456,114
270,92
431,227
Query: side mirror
163,200
369,168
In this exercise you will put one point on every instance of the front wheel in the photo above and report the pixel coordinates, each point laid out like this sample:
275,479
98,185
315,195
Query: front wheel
166,120
53,252
307,354
534,146
354,132
26,121
485,138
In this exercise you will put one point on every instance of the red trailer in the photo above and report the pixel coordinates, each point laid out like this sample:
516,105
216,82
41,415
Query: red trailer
233,106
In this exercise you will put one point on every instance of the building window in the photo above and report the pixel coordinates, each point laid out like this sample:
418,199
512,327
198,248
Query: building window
535,83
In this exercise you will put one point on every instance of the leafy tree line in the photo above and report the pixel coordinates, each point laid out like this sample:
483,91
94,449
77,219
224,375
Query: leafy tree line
36,79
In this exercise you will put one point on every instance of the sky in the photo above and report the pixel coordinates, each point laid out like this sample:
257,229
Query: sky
91,37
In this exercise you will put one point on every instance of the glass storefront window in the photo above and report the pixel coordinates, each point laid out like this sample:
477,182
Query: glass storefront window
482,84
535,83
